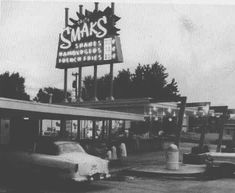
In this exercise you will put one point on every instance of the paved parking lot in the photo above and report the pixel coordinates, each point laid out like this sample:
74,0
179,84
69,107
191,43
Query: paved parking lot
127,184
122,182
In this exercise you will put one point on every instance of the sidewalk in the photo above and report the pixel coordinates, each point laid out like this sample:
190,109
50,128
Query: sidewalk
154,164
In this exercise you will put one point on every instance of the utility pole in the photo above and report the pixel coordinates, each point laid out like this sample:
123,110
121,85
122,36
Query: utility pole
180,119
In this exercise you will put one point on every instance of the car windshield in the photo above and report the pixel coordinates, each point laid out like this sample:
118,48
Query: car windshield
69,148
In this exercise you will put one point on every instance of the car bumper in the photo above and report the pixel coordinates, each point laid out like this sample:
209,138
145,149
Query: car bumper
93,177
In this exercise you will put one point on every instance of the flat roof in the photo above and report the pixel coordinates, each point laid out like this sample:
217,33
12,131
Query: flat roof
12,107
131,105
136,102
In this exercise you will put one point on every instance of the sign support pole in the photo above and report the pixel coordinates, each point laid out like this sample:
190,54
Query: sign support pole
95,83
111,82
65,85
111,65
80,84
80,71
66,70
95,66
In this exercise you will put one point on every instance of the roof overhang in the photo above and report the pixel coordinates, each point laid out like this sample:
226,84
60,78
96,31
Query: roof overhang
109,104
12,107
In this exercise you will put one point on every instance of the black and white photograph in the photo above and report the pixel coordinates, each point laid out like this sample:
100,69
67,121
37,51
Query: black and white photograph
117,96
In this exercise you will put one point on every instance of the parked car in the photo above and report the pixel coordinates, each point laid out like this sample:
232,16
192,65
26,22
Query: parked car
221,165
95,148
63,159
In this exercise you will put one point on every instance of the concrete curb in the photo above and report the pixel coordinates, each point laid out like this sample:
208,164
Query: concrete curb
163,175
198,172
118,170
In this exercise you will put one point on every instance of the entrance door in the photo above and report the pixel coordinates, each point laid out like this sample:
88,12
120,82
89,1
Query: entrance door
4,131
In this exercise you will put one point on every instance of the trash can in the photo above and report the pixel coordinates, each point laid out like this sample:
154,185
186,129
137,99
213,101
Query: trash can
109,155
172,157
114,153
123,152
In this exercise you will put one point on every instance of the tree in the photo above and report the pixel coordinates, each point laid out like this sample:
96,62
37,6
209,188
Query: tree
43,95
88,91
12,86
171,89
123,84
103,87
146,81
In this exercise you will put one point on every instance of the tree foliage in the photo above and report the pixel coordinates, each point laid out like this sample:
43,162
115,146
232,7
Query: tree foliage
123,84
13,86
43,95
103,87
146,81
88,91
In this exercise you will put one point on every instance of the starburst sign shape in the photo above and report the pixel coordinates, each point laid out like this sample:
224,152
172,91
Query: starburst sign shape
90,22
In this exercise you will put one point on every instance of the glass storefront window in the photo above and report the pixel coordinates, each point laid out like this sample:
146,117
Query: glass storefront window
50,128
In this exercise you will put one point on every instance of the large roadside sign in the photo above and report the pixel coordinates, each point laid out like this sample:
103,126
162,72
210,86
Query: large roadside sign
91,39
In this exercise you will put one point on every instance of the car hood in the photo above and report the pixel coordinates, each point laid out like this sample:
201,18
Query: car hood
79,157
88,164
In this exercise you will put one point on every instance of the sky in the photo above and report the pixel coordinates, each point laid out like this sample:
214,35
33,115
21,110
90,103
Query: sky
195,41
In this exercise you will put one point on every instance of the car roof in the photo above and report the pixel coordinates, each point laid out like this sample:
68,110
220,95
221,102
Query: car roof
46,139
63,142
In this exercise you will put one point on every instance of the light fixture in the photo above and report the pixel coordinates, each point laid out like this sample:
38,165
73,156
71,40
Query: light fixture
26,118
206,109
169,110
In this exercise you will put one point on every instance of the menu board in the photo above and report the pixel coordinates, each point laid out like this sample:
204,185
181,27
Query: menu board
103,51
